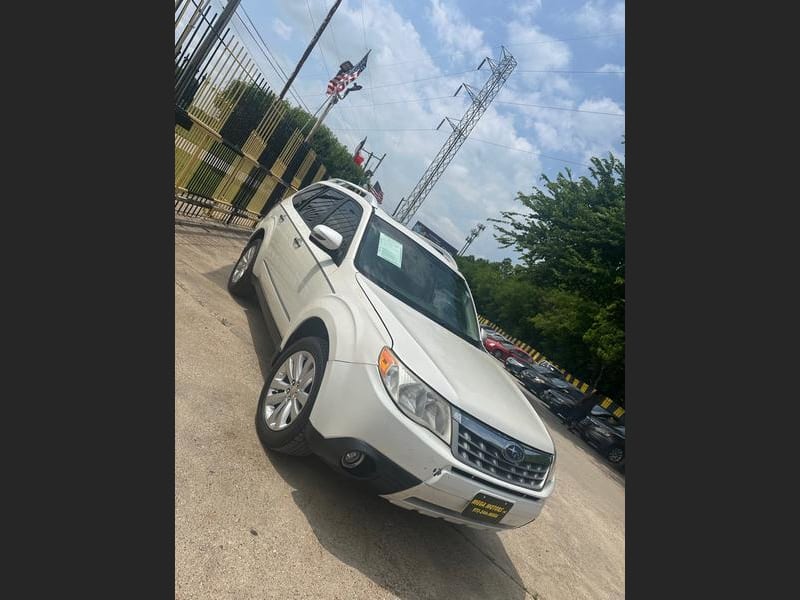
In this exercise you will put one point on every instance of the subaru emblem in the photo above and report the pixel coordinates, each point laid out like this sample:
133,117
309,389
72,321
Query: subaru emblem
513,453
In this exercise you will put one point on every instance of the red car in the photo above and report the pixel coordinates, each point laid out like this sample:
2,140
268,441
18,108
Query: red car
501,350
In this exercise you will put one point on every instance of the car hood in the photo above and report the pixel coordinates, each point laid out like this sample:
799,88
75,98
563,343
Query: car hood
467,376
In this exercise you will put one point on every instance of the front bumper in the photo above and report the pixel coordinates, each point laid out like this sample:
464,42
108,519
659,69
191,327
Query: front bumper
414,469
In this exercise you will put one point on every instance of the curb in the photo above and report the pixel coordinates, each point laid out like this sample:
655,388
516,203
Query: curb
211,224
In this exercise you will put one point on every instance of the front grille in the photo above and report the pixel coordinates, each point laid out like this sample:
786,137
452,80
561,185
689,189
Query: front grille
481,447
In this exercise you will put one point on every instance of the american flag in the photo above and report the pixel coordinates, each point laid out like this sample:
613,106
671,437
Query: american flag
377,192
338,84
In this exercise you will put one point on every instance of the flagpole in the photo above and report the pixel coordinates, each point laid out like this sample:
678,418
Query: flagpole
333,100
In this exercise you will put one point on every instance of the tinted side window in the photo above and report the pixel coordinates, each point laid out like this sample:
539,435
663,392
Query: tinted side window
345,220
319,205
303,196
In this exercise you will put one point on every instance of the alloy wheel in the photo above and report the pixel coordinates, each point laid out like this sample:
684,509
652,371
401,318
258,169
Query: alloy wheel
244,262
288,391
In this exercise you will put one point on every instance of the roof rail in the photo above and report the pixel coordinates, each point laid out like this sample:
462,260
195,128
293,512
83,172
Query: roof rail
355,188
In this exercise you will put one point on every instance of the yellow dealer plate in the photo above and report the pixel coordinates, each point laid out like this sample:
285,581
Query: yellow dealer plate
487,508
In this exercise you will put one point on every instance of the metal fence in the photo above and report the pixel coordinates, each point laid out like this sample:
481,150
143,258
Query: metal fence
235,152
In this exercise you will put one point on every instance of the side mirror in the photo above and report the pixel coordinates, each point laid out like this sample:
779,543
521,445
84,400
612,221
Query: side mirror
326,237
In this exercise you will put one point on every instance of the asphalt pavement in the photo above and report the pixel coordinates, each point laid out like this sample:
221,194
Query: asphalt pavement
255,524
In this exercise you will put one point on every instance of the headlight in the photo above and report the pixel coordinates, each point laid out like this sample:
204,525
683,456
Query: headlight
539,380
415,399
514,361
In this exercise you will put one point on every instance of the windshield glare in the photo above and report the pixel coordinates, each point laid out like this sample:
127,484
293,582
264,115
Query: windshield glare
409,272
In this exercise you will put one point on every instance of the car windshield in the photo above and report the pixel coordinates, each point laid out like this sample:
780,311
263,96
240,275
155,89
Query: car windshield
413,275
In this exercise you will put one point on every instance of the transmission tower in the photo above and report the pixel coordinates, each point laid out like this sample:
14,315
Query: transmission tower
461,130
471,238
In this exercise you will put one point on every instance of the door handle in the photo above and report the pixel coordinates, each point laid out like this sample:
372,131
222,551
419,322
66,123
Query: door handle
281,218
297,242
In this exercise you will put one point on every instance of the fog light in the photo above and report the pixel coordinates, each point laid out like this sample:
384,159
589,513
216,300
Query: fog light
352,458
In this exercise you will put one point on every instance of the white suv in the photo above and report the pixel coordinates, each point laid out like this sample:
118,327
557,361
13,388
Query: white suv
381,370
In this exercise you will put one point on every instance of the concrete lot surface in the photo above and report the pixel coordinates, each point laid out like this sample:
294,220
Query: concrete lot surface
254,524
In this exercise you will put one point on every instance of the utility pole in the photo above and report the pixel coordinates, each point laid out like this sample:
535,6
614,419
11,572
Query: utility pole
310,47
202,50
461,130
471,238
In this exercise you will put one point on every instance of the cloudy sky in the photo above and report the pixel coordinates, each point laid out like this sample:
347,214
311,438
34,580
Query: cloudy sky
421,51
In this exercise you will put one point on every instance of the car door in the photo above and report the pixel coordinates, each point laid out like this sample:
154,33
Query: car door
278,253
310,266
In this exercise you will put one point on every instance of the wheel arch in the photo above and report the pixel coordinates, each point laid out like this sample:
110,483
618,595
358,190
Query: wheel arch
354,333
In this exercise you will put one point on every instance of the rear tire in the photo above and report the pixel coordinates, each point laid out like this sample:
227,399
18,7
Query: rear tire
240,281
284,407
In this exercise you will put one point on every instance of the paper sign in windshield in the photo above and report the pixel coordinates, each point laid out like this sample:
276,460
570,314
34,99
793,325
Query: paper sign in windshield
390,250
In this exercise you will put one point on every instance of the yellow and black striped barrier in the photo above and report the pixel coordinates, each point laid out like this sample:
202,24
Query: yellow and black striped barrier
606,402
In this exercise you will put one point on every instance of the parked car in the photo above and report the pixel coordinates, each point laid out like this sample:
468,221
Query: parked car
501,348
537,379
518,361
562,398
604,431
381,370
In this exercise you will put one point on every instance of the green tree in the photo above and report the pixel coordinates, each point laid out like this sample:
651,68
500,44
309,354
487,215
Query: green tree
251,107
567,298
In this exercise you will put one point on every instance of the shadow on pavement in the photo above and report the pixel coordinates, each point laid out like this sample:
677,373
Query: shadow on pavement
408,554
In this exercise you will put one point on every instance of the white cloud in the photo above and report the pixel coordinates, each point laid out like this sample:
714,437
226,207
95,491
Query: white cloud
281,29
612,68
482,179
455,32
584,134
526,9
601,16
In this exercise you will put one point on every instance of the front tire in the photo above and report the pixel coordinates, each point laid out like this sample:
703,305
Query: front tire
240,281
288,395
616,455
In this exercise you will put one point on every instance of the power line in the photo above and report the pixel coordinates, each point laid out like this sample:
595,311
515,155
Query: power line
476,70
369,77
373,129
529,152
407,101
333,35
557,158
585,37
279,69
319,46
573,72
412,100
580,110
412,81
